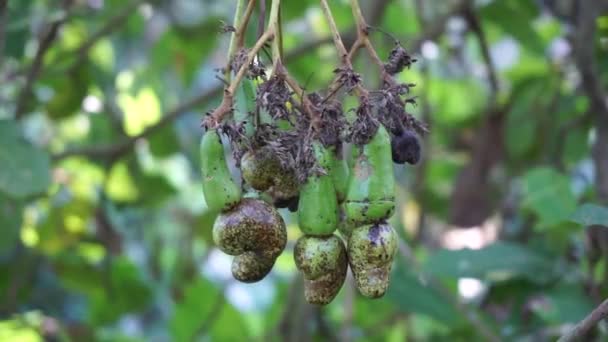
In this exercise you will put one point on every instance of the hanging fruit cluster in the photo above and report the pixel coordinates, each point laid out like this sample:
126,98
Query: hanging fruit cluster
298,150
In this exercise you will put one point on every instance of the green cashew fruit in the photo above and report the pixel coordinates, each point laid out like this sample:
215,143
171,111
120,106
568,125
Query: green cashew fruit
371,190
323,262
339,173
318,206
255,234
371,250
262,170
219,188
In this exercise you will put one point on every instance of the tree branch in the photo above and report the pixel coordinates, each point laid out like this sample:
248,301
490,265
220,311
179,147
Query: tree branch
581,329
477,28
34,71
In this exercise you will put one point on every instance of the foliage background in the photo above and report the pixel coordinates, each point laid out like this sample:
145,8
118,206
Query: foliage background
105,233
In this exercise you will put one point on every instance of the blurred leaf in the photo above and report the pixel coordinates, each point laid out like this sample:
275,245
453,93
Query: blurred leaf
200,309
547,194
24,169
515,17
590,215
175,48
521,126
69,91
454,100
140,111
125,292
120,185
412,295
495,262
164,143
155,188
11,216
564,304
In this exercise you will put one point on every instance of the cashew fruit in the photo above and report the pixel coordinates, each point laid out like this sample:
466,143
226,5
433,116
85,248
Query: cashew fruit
254,232
339,172
371,249
318,206
323,263
370,197
262,170
219,188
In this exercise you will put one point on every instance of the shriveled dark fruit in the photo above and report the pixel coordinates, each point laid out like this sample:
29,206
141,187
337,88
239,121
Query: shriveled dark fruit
371,250
405,148
290,203
323,262
254,232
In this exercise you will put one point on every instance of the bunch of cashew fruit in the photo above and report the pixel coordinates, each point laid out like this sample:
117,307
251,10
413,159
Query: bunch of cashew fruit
339,199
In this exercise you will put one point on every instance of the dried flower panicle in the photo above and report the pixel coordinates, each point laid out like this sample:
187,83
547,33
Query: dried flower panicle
398,60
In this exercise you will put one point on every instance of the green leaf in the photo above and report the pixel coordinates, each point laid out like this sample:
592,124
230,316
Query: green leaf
590,214
548,195
199,309
495,262
412,295
25,170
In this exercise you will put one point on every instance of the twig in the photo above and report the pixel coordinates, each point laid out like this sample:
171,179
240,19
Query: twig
234,40
477,28
34,71
111,25
581,329
583,42
227,101
119,149
242,27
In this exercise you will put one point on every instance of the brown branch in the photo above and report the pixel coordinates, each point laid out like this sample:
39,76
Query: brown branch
584,43
581,329
35,69
240,31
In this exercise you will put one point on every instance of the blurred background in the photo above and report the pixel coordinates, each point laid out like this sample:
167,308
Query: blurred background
106,235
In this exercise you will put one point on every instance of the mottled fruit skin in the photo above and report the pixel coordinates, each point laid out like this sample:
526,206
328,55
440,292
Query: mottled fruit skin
371,250
406,148
318,206
262,170
254,232
371,190
323,262
219,188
